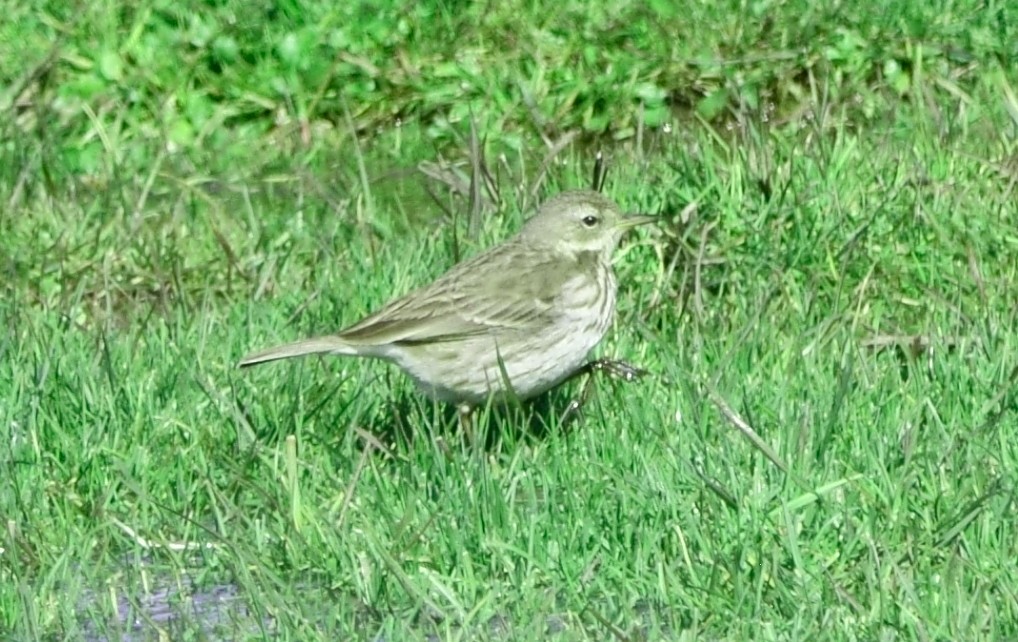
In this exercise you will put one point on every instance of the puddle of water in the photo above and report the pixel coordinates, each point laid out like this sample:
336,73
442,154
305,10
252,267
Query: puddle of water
169,610
169,607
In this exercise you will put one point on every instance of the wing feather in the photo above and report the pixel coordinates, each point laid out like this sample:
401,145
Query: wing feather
485,294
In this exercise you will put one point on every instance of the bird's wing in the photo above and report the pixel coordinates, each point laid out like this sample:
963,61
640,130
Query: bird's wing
482,295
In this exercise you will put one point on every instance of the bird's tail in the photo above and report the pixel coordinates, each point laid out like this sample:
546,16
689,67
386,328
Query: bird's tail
318,345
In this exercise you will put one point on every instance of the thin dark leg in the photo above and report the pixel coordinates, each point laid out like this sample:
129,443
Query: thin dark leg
616,369
466,416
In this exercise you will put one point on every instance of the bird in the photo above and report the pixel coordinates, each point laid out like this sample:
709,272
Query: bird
513,321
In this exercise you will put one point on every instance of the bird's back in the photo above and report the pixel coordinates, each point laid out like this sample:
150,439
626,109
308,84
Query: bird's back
451,336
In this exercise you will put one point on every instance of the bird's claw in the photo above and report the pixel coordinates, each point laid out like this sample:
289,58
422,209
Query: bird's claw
618,369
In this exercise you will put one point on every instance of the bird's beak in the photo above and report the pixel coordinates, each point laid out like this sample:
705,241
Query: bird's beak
634,220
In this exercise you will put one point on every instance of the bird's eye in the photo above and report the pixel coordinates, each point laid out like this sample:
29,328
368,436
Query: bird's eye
589,220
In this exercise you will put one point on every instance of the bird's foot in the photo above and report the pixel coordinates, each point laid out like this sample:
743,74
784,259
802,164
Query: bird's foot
618,369
612,367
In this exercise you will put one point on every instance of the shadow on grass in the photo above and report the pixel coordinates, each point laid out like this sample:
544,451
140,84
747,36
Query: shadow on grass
410,416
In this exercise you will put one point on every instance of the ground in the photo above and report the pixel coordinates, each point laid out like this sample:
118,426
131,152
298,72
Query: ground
825,446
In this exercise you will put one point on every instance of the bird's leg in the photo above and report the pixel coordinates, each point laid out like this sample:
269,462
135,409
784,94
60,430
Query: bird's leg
575,407
466,419
618,369
615,368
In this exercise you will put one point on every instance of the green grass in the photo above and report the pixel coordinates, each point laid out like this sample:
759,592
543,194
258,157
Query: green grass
827,447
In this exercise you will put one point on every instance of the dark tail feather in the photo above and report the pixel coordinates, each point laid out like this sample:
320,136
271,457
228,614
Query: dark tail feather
318,345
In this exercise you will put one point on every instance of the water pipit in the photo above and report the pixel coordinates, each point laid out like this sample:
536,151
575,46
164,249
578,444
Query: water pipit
520,317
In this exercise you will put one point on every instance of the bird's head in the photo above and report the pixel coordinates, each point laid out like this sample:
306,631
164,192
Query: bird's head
580,222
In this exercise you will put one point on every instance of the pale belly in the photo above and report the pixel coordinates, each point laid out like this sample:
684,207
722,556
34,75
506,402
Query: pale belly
472,369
